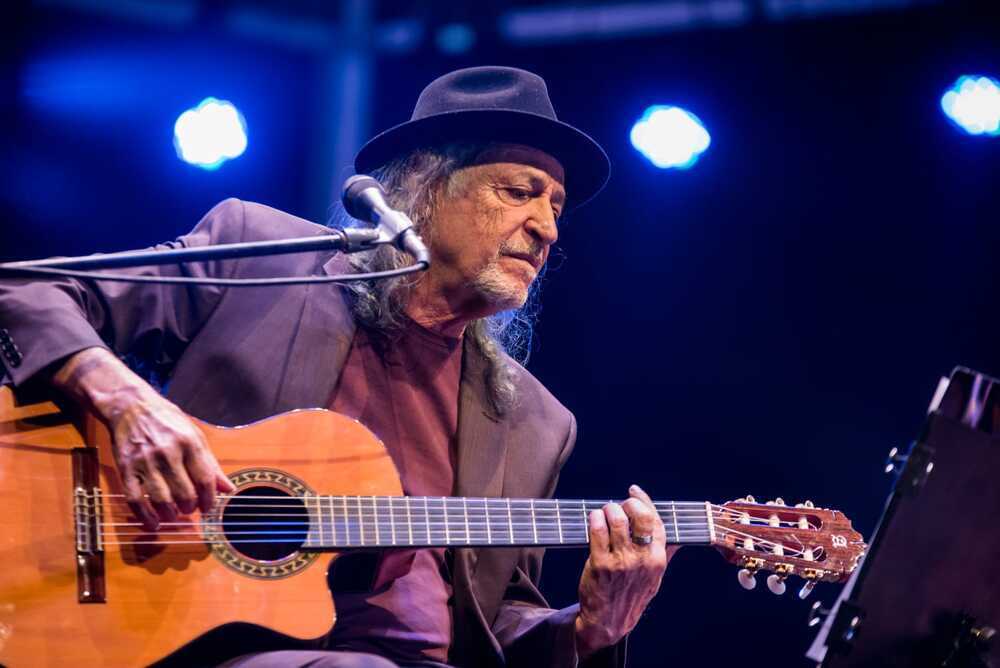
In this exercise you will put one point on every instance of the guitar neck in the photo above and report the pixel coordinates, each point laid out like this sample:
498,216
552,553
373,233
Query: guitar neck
340,522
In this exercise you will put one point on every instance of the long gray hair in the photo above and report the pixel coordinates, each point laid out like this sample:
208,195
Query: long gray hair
415,184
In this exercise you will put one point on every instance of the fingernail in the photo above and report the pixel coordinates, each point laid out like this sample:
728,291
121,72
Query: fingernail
636,489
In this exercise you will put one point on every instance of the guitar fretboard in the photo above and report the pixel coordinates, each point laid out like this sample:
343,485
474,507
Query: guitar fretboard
339,522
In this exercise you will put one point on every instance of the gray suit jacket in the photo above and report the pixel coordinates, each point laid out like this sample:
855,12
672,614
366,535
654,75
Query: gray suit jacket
236,355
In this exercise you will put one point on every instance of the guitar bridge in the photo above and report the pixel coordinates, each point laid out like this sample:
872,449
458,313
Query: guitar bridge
87,519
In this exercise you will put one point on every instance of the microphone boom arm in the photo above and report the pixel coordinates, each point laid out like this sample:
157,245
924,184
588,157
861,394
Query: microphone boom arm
348,240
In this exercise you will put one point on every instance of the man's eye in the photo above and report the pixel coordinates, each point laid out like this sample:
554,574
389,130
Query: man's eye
517,194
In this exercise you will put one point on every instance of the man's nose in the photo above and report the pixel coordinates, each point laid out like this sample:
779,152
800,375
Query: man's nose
542,223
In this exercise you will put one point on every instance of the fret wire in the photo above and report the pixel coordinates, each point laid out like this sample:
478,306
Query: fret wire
559,522
392,522
387,509
708,515
501,525
347,526
465,507
490,529
677,531
333,523
534,527
324,540
378,539
409,520
361,522
444,510
485,518
427,521
510,522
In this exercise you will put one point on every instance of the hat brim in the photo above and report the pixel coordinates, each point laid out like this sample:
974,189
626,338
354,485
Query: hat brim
586,164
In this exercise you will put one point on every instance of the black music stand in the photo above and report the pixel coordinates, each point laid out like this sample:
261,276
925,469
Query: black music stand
928,592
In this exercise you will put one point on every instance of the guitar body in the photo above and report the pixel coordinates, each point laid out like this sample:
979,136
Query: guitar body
193,587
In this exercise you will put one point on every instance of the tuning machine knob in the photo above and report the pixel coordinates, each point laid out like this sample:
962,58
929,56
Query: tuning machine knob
811,577
776,584
895,461
747,575
817,613
776,581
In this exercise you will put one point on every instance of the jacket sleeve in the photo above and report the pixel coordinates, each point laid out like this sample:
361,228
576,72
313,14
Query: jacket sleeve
44,320
529,631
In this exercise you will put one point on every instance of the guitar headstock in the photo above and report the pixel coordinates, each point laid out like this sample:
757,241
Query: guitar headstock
816,544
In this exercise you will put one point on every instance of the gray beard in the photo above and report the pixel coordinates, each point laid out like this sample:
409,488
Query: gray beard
497,289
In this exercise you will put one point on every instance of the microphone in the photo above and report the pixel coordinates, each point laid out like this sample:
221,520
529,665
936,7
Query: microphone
364,199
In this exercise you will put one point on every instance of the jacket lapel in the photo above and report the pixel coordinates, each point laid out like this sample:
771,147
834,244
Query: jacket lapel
321,343
482,442
479,574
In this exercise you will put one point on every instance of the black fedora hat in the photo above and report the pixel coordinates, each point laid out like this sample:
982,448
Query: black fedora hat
502,104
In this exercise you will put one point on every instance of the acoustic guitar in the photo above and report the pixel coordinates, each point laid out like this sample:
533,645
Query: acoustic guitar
81,582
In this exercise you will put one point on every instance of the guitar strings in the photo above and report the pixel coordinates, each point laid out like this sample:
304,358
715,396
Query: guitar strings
577,535
581,539
446,504
668,511
457,516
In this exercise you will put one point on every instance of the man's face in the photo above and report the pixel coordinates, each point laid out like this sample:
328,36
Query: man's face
494,225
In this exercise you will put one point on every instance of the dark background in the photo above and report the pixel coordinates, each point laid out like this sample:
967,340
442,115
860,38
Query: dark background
770,321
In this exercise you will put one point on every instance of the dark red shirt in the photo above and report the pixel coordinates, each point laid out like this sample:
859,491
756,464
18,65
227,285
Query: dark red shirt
408,397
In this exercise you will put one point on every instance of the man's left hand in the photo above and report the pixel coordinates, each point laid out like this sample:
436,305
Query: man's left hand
623,572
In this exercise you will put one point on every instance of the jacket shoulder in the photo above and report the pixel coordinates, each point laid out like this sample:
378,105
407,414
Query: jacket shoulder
534,397
233,220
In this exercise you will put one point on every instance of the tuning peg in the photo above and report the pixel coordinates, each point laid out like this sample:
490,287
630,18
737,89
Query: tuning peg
807,589
894,461
746,578
817,613
749,499
807,504
776,584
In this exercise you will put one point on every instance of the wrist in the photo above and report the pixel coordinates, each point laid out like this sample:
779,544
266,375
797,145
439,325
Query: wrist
102,383
590,638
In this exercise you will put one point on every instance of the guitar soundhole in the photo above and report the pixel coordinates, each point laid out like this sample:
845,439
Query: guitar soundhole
264,523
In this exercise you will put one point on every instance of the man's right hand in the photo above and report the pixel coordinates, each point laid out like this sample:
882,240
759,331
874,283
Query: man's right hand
162,457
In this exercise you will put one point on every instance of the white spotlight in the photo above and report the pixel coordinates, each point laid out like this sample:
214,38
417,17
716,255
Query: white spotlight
973,104
670,137
210,134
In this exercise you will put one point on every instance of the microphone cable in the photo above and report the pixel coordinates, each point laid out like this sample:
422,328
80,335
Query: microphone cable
226,282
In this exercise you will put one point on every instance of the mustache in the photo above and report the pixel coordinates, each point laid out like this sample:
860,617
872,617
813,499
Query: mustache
535,250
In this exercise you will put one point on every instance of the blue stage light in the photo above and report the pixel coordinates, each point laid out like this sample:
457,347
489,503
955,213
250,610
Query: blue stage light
973,104
210,134
670,137
455,38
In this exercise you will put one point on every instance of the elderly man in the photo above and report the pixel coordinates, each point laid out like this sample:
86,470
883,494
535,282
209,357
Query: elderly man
485,170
